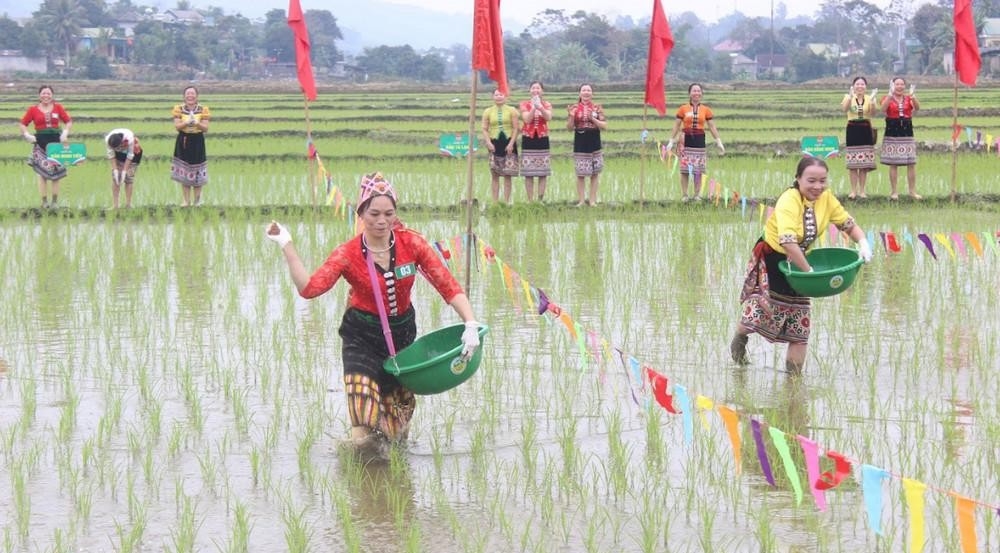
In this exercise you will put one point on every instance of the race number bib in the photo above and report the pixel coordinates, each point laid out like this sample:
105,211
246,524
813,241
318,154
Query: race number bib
406,271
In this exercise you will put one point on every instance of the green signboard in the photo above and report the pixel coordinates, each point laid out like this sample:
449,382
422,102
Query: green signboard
456,144
820,146
71,154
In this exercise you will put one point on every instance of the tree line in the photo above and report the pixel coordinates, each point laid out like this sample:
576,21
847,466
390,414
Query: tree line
844,37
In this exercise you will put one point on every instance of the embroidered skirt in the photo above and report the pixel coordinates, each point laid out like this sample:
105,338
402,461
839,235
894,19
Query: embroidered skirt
536,161
190,164
375,398
860,146
40,162
588,158
769,306
898,146
501,163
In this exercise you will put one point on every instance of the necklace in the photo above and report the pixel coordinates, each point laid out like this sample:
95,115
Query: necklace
392,242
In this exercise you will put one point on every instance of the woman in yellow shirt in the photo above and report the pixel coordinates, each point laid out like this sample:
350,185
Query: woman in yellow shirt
860,139
770,307
501,126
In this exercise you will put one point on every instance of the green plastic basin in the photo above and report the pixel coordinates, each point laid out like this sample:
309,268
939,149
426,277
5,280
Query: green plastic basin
433,362
834,270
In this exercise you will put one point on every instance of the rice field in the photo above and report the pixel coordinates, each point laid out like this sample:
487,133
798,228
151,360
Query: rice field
163,388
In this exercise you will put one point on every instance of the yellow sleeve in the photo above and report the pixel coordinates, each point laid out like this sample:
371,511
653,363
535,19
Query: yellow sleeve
177,113
786,221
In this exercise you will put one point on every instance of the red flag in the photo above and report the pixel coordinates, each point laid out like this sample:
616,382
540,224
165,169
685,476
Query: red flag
661,42
967,60
487,42
304,69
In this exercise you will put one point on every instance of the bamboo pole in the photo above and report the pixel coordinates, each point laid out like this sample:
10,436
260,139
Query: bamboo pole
954,142
311,179
642,158
469,242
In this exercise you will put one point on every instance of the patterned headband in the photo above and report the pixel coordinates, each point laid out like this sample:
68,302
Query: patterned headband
374,184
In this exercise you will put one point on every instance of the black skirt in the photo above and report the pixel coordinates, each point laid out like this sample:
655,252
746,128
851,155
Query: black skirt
364,348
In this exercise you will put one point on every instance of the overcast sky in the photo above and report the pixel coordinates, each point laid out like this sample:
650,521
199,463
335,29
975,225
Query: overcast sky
521,10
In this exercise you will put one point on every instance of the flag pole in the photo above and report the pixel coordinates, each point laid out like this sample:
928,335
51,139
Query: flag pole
954,142
469,251
311,158
642,158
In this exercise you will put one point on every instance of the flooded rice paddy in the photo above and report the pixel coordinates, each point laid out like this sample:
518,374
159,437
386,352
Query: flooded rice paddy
163,388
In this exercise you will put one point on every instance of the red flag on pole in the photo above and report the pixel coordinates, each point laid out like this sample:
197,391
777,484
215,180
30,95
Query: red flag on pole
487,42
967,60
661,42
303,67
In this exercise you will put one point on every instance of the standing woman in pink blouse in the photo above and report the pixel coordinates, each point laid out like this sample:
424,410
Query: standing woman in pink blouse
587,121
535,157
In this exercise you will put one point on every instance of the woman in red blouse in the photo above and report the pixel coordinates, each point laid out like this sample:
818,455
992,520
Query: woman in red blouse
46,116
898,146
391,255
587,119
535,157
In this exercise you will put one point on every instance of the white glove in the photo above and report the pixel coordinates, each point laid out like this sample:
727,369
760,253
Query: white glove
278,234
30,138
470,339
718,142
64,136
116,176
191,121
865,249
670,144
875,93
913,88
536,101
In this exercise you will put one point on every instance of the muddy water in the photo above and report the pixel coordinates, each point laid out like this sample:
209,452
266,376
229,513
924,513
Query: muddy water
160,378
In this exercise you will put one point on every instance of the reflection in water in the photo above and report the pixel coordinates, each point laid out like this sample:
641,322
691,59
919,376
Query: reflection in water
784,406
381,498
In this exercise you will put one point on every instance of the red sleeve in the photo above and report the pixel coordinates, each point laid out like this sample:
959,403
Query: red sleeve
327,275
63,114
29,116
434,270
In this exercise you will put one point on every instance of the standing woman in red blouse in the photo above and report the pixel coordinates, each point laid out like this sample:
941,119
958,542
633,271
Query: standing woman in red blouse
390,255
587,121
536,160
899,147
46,116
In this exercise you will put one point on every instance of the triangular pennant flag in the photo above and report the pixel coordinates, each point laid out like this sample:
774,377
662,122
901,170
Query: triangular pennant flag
926,240
778,437
974,242
765,464
966,516
871,487
893,244
956,237
810,451
731,420
703,404
914,492
943,239
661,393
680,392
831,479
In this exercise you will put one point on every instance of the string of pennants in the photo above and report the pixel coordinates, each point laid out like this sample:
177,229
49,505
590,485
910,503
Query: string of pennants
334,197
646,385
991,141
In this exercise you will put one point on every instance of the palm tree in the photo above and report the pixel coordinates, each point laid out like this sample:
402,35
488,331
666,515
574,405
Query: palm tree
62,19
